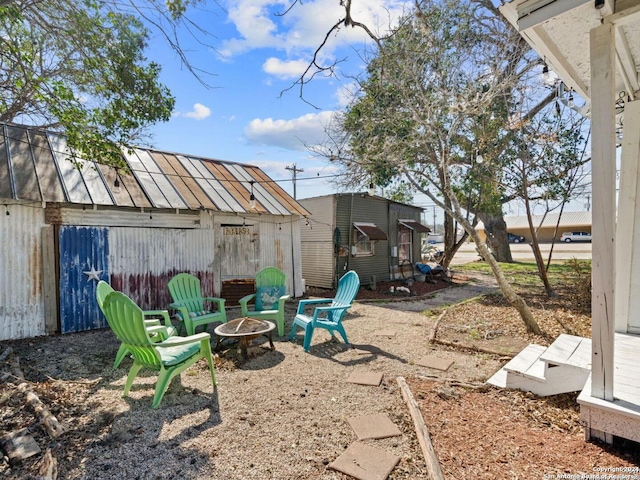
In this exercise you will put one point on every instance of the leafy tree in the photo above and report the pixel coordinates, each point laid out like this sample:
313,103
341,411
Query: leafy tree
438,98
79,67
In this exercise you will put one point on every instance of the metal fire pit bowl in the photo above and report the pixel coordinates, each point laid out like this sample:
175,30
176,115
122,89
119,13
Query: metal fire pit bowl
244,330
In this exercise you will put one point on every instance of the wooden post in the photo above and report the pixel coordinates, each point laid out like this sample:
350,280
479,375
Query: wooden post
628,228
603,168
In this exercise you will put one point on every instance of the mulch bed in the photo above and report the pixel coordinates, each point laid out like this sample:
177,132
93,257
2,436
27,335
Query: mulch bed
384,290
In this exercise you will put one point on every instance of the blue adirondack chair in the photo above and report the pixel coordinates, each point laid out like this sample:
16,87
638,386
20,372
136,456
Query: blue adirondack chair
269,299
329,317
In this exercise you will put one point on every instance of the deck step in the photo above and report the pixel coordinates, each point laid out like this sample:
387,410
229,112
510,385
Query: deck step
562,367
528,363
569,350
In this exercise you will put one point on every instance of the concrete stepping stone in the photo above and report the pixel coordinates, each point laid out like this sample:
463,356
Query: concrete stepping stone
365,463
366,378
378,425
435,362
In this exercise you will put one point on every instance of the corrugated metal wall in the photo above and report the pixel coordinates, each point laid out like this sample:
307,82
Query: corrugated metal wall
143,260
317,241
364,208
21,294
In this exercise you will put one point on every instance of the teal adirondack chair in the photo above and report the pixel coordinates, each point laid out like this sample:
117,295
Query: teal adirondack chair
157,331
269,299
329,317
169,357
188,301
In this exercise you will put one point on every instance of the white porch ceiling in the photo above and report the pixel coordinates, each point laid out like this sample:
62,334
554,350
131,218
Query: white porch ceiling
558,30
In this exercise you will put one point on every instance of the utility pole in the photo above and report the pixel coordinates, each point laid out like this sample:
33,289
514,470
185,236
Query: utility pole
295,171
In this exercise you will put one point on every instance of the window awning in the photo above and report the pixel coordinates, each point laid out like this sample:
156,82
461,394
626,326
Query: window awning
415,226
371,231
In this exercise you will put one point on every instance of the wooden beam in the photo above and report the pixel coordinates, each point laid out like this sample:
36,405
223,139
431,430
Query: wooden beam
534,12
628,227
603,158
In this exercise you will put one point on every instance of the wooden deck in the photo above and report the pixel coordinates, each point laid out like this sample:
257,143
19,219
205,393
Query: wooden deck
621,416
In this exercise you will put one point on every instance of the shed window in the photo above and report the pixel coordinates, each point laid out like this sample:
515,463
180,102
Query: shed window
364,237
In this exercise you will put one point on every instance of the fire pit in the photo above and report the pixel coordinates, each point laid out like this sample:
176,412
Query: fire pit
244,330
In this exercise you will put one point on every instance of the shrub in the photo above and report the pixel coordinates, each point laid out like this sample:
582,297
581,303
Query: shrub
578,279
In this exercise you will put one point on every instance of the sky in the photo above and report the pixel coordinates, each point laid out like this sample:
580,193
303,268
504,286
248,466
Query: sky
254,55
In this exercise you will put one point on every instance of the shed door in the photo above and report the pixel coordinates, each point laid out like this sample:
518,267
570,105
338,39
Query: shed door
238,249
84,260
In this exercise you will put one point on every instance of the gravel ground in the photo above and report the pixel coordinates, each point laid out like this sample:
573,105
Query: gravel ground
282,414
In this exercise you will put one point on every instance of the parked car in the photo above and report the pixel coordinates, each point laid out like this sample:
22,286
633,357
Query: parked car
575,237
515,238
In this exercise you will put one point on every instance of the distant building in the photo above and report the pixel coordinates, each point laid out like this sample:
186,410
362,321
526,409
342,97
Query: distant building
378,238
548,226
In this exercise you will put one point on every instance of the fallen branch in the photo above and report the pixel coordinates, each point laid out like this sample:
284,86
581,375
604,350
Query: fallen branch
434,329
5,354
50,422
49,466
472,348
454,383
431,459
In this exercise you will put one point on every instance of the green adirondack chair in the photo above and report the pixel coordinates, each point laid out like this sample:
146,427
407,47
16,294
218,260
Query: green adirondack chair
157,331
188,301
269,299
329,317
169,357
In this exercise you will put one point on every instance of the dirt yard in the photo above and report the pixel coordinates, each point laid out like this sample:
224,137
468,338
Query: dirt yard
283,414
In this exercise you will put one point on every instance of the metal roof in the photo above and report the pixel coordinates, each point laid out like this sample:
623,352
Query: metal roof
371,230
36,165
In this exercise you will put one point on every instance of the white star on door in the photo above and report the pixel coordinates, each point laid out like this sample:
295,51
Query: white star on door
93,274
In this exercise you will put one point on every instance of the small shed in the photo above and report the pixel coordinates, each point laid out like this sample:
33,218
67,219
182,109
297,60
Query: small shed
372,235
68,222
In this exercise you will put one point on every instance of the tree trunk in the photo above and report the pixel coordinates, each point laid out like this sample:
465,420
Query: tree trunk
495,229
509,293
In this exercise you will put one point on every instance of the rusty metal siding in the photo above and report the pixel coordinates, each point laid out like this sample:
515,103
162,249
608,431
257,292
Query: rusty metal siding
279,246
21,294
317,241
143,260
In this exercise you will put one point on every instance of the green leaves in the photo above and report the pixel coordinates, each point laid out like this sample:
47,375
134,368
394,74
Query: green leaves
80,68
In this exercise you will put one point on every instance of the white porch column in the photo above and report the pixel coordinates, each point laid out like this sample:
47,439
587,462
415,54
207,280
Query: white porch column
627,283
603,174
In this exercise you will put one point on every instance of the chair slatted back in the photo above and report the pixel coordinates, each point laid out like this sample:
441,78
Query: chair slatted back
126,319
271,277
185,288
348,287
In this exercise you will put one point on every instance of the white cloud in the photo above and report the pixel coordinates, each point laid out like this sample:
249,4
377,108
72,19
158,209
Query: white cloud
285,70
293,134
199,112
304,27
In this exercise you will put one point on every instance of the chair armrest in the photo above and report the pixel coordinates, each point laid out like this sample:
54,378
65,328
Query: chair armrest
244,301
218,301
320,310
163,313
161,330
151,322
198,337
304,303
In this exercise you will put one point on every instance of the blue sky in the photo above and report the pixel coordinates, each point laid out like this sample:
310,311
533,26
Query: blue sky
254,56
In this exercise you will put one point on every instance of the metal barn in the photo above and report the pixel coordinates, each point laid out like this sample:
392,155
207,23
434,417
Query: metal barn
67,224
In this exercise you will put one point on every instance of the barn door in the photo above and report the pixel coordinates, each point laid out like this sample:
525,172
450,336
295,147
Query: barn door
84,260
238,247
